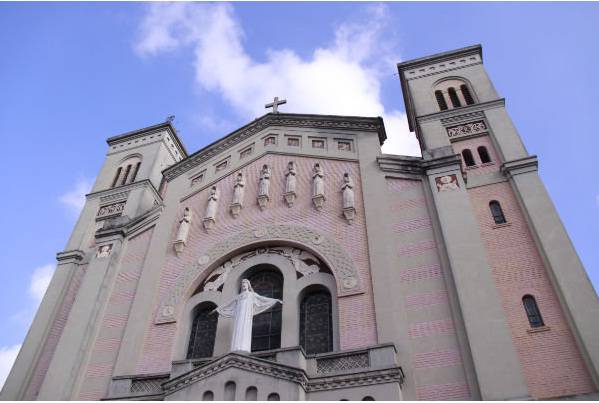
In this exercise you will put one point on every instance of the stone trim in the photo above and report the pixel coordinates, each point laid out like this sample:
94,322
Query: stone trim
117,192
136,134
278,119
334,256
399,164
70,256
519,166
463,111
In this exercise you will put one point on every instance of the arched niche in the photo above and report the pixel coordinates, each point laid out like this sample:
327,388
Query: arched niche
346,275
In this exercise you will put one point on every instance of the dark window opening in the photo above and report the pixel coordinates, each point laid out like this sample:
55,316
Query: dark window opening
266,328
135,172
483,154
466,93
441,100
468,158
203,332
116,177
127,170
497,212
316,324
455,101
532,311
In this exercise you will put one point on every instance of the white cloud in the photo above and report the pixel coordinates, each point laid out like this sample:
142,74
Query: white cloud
342,78
8,355
74,199
40,279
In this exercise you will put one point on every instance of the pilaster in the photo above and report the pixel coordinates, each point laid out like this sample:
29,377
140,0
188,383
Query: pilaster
571,283
68,363
494,354
27,360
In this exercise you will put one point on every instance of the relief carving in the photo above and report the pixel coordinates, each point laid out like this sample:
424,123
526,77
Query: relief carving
111,210
332,254
467,129
447,183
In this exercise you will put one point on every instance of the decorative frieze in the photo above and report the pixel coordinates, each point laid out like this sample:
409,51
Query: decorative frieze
111,210
467,129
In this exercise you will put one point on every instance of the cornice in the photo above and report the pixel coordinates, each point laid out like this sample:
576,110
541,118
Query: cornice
132,135
400,164
122,192
440,57
282,371
441,162
520,166
70,256
452,116
352,123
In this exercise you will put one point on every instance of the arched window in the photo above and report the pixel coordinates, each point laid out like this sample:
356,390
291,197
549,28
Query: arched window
468,158
316,324
266,329
208,396
368,398
251,394
497,212
135,170
273,397
127,170
116,177
483,154
455,101
441,100
203,332
532,311
230,388
466,93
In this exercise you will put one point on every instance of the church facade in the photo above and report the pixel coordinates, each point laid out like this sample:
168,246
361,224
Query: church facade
446,276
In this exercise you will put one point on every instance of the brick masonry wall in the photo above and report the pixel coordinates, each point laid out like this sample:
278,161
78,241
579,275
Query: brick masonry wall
550,359
435,362
356,313
105,349
54,336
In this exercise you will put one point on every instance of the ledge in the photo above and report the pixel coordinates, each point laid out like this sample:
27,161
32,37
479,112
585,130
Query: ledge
538,329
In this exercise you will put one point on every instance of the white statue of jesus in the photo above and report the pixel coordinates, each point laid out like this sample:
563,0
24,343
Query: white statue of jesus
243,308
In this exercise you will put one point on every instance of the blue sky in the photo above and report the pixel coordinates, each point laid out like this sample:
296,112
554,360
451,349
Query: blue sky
72,75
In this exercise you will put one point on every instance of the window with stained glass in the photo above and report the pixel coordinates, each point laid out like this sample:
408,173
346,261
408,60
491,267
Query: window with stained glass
266,327
203,332
316,324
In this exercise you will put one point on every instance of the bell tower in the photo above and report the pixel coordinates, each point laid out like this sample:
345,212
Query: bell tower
491,205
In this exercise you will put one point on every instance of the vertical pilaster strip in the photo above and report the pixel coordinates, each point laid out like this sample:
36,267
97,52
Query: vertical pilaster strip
28,360
571,282
494,354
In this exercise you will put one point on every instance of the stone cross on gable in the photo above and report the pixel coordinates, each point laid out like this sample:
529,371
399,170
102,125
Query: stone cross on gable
275,104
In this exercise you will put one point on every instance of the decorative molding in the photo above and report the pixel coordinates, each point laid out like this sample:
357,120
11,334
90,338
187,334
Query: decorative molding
342,363
520,166
279,119
333,255
467,129
462,111
119,196
289,198
111,210
70,256
443,66
466,117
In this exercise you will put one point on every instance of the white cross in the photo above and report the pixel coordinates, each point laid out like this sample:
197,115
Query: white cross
275,104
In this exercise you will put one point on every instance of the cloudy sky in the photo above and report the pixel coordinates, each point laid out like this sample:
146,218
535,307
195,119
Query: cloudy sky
72,75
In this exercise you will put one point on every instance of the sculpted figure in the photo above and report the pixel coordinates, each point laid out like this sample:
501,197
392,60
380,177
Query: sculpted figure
348,191
243,308
212,205
239,189
290,178
317,180
295,256
222,273
184,225
264,187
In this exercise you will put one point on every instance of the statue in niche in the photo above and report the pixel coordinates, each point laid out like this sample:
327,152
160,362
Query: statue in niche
264,187
318,186
290,180
243,308
183,232
347,189
211,207
238,194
